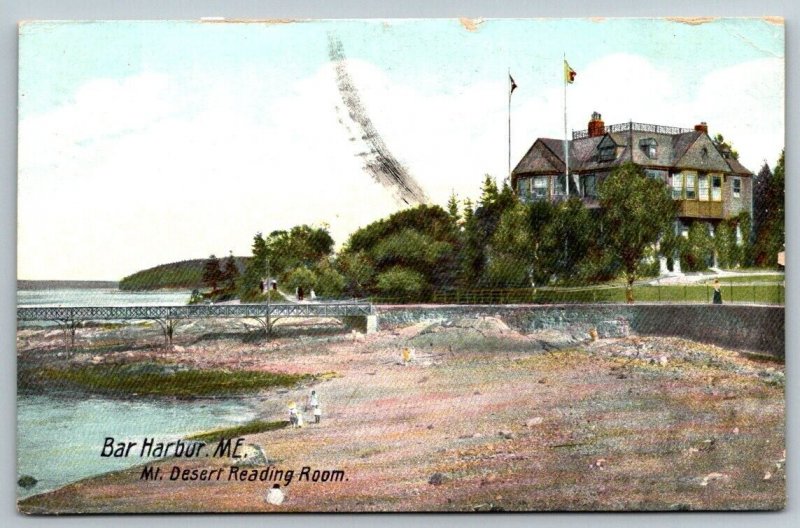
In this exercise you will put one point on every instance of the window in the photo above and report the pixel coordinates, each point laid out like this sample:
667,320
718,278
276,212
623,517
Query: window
702,187
590,186
648,146
677,186
653,174
607,153
737,187
558,185
690,190
716,188
524,188
539,187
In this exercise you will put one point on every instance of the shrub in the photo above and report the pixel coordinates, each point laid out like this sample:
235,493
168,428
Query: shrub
400,283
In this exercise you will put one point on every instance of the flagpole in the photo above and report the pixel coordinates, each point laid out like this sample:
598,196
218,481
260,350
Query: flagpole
566,145
509,123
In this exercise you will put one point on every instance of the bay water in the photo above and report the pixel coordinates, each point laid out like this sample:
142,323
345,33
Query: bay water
59,439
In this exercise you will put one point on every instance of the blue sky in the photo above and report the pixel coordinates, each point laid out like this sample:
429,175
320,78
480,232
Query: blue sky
161,141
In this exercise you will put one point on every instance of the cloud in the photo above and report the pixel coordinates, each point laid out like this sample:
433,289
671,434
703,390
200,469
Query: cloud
743,102
150,169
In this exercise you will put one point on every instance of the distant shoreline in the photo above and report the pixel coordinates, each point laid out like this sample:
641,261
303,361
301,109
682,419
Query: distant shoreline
64,284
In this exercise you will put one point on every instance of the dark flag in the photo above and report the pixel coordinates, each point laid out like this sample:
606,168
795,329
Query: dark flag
513,84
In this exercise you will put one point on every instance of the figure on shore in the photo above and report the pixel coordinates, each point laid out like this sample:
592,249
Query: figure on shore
313,406
293,415
313,400
275,495
717,292
408,355
300,293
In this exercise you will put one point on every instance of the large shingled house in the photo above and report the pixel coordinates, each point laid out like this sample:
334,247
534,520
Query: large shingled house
706,181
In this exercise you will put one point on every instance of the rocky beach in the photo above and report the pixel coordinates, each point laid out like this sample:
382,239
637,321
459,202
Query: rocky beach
476,417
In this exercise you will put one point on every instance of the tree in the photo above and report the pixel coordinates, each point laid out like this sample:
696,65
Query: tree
698,249
255,270
452,208
512,251
769,216
761,197
330,283
636,211
725,244
566,239
724,146
212,273
302,245
422,239
479,229
468,209
401,284
358,272
230,273
301,277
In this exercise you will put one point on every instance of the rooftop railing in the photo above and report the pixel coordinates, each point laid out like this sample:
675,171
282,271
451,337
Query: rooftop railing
634,127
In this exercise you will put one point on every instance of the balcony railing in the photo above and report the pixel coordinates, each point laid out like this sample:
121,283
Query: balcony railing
698,209
634,127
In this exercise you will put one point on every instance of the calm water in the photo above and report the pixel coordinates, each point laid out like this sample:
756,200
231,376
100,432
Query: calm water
100,297
59,439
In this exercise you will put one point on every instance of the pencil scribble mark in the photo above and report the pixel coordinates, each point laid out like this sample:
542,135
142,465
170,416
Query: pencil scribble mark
378,160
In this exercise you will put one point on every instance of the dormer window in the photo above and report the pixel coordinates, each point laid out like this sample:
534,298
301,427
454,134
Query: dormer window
607,153
648,146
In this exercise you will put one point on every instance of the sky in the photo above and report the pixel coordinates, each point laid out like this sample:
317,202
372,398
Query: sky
142,143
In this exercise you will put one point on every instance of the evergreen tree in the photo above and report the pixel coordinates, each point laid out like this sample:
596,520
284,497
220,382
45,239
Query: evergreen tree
479,230
212,273
769,217
255,271
230,273
452,208
468,209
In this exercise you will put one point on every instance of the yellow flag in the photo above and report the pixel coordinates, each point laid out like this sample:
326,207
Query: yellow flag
569,73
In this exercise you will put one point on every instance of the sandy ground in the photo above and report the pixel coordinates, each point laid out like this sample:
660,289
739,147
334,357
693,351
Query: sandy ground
483,418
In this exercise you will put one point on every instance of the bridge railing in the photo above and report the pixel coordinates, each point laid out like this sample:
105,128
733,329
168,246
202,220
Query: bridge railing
89,313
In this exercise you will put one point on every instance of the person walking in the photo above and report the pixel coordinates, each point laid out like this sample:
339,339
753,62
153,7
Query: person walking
717,292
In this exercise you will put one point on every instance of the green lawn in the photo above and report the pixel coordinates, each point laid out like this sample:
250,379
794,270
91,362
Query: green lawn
762,292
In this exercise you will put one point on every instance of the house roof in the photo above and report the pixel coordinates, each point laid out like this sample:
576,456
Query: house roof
738,168
681,150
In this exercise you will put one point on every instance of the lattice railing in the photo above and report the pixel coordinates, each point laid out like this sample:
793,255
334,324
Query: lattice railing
92,313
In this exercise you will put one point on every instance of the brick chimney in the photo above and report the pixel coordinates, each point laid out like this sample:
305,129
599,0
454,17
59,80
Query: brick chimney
702,127
596,125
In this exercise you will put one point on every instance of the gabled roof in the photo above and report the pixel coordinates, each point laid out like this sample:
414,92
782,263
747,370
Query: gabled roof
738,168
540,159
682,150
702,154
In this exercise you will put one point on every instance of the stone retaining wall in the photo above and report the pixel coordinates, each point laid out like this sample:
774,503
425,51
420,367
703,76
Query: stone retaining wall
747,327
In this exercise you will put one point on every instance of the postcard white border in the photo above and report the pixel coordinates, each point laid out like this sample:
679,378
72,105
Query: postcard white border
16,10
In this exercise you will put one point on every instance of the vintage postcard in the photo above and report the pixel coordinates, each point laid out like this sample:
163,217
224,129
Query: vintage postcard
457,265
